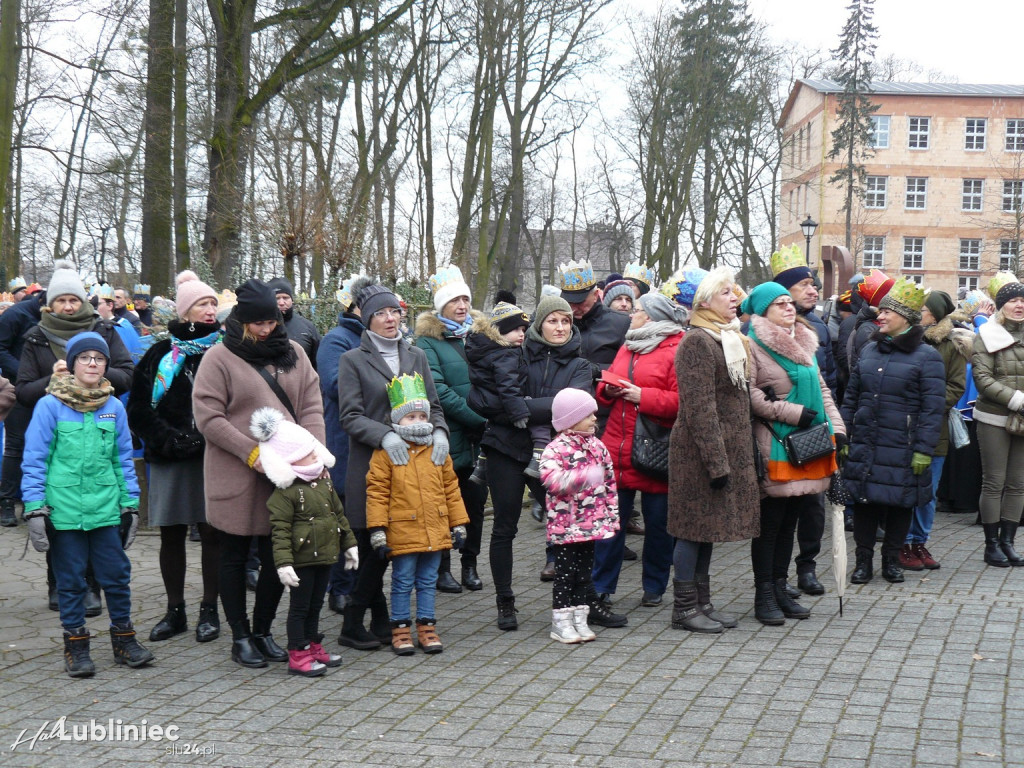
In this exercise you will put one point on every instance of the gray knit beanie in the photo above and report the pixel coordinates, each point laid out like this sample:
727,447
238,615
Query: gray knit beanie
65,282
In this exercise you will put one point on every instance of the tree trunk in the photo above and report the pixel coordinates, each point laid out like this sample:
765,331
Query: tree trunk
10,53
179,192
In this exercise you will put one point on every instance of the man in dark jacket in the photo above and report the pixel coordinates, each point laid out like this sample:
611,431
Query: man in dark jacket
14,324
300,330
602,331
790,270
335,343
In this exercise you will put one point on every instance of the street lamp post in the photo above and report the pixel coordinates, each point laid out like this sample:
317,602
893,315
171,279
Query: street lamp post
808,226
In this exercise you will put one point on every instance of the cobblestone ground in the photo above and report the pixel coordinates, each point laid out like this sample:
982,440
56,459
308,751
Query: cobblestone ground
927,673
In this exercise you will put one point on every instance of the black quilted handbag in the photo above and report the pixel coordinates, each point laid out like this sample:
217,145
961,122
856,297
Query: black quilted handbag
805,445
650,448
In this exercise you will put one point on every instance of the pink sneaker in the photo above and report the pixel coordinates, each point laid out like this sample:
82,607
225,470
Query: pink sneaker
301,662
325,658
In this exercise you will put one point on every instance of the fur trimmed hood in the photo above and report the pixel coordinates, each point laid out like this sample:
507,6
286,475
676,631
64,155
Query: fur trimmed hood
429,324
800,347
949,328
483,325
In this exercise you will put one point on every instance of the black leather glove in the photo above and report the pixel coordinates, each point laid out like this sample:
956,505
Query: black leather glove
769,392
185,445
840,441
806,417
719,482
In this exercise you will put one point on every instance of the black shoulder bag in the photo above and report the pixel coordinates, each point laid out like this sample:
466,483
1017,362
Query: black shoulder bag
650,443
281,394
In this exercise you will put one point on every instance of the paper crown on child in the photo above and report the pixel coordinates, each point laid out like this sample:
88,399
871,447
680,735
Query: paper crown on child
282,443
905,298
141,291
406,394
17,284
972,302
447,284
645,277
875,286
998,281
576,279
682,286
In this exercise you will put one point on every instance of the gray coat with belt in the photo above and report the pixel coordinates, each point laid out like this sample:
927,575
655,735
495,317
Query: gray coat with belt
363,377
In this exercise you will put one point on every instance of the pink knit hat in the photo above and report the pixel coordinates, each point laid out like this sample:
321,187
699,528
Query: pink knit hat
570,407
190,290
282,443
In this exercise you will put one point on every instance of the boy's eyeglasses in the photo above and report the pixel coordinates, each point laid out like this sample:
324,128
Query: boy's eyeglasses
90,359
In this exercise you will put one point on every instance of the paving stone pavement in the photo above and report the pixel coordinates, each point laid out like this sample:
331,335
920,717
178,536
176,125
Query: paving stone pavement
927,673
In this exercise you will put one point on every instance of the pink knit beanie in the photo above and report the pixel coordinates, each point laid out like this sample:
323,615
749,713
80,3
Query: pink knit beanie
570,407
282,443
190,290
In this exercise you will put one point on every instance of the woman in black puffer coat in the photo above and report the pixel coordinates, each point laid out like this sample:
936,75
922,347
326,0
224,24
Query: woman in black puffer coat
893,412
551,353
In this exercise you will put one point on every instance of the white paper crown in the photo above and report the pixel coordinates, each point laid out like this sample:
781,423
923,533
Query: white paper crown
576,275
641,272
445,276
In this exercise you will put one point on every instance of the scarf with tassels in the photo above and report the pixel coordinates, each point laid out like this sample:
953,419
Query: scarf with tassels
734,344
172,363
66,388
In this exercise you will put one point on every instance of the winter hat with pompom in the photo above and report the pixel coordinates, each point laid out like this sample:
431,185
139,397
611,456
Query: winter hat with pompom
570,407
190,290
282,443
65,282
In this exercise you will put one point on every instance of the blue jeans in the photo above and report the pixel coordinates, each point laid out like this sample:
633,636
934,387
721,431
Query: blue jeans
72,552
924,517
657,552
420,569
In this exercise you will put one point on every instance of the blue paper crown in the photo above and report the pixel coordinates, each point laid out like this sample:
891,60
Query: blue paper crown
682,286
445,276
641,272
576,276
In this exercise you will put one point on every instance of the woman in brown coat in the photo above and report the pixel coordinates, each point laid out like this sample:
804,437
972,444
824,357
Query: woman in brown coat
712,490
229,386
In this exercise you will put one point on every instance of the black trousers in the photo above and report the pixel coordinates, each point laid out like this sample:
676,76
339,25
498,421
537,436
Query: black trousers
866,518
507,483
234,552
573,566
475,498
304,605
369,589
15,426
770,552
809,530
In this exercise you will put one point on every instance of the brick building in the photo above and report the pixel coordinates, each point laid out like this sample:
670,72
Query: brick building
943,196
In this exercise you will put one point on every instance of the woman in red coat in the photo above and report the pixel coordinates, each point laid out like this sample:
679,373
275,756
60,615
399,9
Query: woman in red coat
645,366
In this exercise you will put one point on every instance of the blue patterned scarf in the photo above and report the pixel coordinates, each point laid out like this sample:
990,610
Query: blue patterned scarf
458,330
171,364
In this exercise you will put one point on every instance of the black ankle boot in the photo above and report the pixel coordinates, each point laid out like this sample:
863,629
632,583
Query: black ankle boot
727,620
891,570
507,613
93,602
380,619
265,644
353,633
993,552
208,626
766,608
601,613
173,623
863,572
790,608
243,650
127,649
1007,532
686,613
77,662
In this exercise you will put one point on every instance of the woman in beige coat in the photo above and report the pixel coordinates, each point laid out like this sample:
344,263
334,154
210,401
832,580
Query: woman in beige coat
229,386
787,392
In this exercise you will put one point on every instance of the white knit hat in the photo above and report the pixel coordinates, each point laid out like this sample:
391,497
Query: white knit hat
65,282
448,284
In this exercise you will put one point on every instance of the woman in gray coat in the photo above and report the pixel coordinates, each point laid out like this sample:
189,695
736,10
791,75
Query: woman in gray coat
363,376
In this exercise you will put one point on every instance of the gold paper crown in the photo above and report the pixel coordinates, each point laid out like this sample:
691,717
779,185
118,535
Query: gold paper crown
445,276
641,272
17,284
140,289
405,388
103,291
576,276
998,281
787,257
907,293
226,300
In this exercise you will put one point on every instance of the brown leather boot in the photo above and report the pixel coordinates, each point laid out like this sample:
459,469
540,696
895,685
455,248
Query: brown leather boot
426,636
401,638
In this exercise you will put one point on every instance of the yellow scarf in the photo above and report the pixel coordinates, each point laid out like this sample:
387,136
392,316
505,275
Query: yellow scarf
735,345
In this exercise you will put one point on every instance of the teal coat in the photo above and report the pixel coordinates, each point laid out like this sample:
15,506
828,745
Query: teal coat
446,356
79,464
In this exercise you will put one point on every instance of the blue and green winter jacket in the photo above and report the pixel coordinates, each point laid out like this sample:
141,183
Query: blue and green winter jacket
79,464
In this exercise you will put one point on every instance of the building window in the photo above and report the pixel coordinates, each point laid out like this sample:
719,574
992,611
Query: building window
974,136
1008,251
917,192
967,283
875,191
913,253
971,200
879,132
874,252
970,255
1015,135
916,279
918,133
1011,195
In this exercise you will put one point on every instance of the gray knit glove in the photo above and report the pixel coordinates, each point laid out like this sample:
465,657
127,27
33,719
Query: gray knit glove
440,450
397,449
37,534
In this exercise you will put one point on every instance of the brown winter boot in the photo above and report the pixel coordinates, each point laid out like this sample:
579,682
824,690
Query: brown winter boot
401,638
426,636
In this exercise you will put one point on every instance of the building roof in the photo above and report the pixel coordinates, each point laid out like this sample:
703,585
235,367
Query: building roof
923,89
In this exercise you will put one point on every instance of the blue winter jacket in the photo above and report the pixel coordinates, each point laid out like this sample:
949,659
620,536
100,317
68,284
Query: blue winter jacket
339,340
79,464
894,405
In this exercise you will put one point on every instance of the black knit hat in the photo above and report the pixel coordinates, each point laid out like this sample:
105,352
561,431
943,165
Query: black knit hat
281,285
1009,291
256,302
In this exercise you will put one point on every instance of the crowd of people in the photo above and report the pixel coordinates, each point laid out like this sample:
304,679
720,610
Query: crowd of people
316,463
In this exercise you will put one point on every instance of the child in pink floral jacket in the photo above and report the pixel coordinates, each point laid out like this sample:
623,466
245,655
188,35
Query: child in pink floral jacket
582,503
